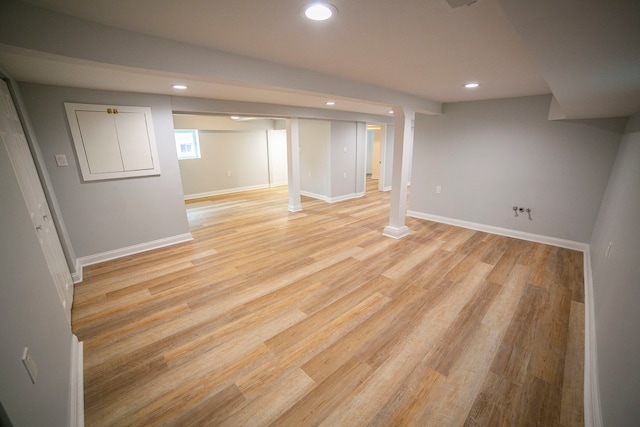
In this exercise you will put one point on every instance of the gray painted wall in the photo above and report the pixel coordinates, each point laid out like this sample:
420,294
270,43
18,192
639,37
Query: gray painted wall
343,159
243,154
616,283
315,149
491,155
30,316
324,162
106,215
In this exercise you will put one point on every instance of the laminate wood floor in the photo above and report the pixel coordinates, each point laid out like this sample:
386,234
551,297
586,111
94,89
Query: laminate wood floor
314,318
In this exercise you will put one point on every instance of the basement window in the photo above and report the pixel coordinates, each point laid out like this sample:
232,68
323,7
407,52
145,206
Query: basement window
187,144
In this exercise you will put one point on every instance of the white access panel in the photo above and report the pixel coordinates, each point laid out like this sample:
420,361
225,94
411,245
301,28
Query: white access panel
99,142
133,137
113,141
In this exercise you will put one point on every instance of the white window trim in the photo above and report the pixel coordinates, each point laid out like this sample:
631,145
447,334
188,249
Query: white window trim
195,141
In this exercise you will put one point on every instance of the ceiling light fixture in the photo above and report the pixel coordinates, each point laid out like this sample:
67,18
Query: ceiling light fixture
180,87
471,85
390,111
330,103
235,117
320,11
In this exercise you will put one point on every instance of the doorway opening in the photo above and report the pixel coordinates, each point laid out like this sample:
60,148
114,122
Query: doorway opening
376,136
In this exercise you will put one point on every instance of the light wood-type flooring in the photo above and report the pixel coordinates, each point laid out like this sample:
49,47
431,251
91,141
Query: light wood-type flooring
314,318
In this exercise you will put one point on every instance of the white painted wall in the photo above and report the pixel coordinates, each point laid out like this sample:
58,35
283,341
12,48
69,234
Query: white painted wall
387,163
108,215
491,155
315,149
277,145
616,285
369,151
30,316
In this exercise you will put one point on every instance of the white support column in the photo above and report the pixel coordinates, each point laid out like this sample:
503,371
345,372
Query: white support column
402,150
293,165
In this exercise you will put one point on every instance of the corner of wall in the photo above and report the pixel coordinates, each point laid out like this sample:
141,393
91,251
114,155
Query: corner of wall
76,402
592,409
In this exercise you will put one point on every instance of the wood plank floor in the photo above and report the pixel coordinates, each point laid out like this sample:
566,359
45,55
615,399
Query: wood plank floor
314,318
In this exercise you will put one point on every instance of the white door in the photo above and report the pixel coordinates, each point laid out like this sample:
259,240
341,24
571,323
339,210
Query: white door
14,140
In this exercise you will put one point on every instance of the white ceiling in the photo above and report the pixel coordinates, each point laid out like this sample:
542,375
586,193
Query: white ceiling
419,47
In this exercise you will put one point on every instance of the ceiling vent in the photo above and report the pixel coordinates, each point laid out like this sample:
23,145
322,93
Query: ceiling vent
454,4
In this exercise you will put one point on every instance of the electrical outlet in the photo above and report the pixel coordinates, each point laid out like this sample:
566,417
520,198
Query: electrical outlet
61,160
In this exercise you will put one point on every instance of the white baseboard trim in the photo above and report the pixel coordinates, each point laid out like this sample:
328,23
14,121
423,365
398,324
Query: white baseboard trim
314,195
396,232
225,191
129,250
76,401
592,408
538,238
332,199
346,197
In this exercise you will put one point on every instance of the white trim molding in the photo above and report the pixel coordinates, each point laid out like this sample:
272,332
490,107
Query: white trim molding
396,232
592,409
76,400
129,250
226,191
314,195
332,199
538,238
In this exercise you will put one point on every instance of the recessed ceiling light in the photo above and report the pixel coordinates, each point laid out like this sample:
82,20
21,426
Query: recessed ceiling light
235,117
330,103
319,11
180,87
390,111
471,85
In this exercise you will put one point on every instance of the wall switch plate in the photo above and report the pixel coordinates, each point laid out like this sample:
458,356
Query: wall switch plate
438,189
61,160
30,365
228,173
344,175
345,149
